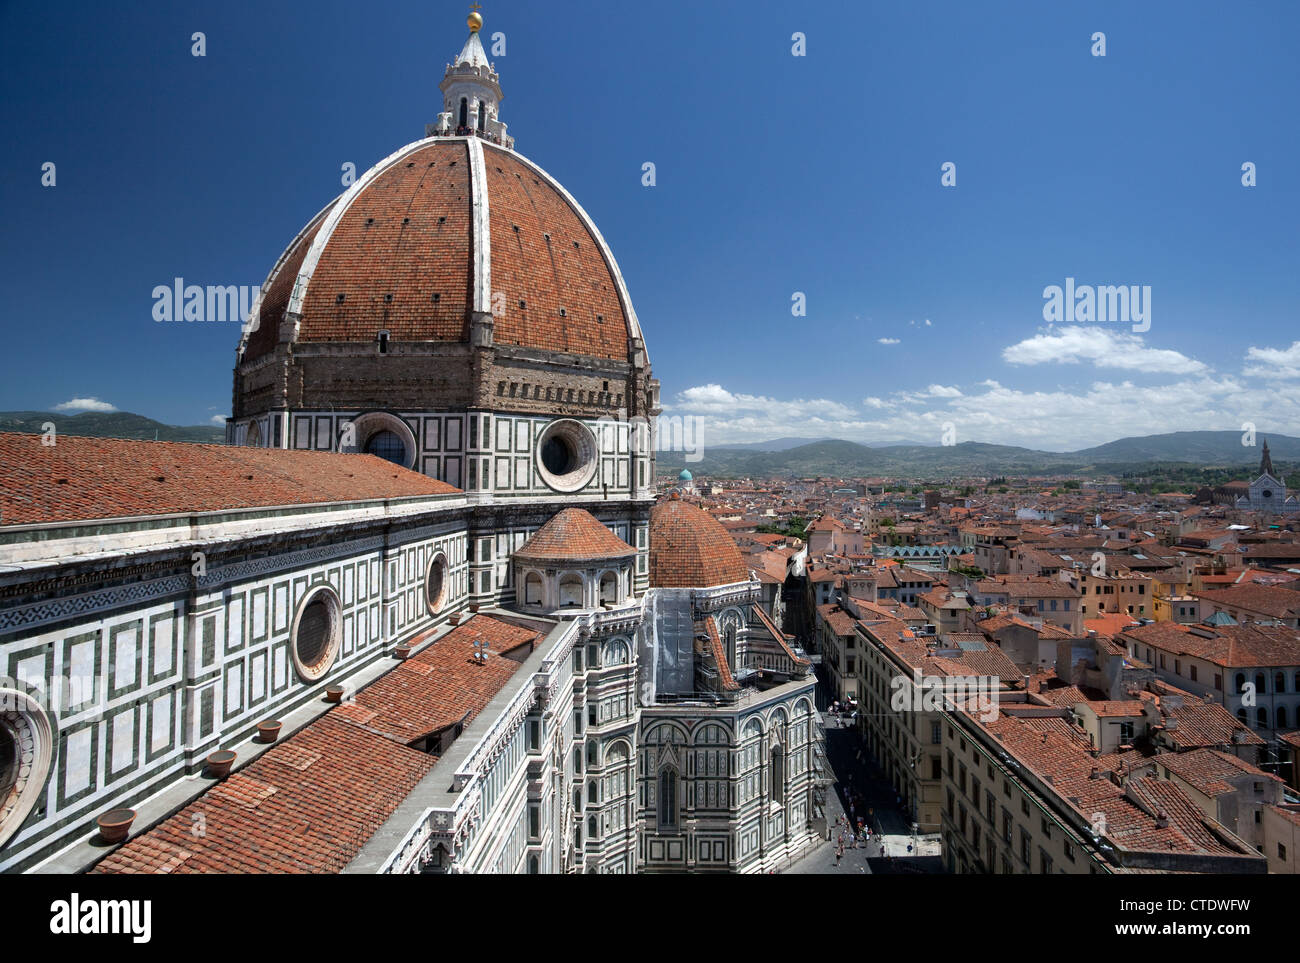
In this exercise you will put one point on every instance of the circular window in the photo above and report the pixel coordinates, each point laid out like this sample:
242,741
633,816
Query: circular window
8,759
388,446
316,634
566,455
26,748
435,584
381,434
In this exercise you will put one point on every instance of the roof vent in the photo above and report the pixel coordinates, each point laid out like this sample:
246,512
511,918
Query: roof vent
442,220
563,313
388,299
369,221
338,299
436,297
406,220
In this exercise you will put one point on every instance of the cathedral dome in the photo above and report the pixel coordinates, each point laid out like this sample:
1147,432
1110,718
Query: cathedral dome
690,549
444,229
454,275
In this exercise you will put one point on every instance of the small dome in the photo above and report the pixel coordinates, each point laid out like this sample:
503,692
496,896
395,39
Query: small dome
573,535
690,549
685,475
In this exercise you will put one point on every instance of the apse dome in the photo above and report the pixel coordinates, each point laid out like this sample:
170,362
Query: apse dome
690,549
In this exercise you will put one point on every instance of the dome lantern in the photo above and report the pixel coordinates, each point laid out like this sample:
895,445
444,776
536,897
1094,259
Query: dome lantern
471,93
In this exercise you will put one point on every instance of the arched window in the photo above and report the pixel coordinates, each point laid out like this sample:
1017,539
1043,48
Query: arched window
1241,717
1261,683
592,828
731,644
667,800
532,589
533,868
609,587
1261,718
482,112
1279,682
464,112
577,759
254,437
778,774
577,800
1241,682
571,590
1281,717
591,792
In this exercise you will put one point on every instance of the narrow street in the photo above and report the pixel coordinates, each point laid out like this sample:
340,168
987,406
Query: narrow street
860,789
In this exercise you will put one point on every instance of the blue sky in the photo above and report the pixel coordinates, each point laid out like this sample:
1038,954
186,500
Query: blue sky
776,174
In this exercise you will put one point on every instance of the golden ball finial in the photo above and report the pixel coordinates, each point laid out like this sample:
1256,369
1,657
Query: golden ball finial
475,21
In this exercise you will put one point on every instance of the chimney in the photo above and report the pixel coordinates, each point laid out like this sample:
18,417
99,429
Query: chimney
1161,820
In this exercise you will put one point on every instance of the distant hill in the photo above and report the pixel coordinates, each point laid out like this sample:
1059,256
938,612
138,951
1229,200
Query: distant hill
850,459
1200,447
776,444
108,424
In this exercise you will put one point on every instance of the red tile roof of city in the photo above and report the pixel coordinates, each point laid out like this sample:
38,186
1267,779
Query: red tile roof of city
574,534
81,479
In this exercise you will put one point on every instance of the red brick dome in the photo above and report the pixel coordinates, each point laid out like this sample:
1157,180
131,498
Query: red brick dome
573,535
690,549
442,230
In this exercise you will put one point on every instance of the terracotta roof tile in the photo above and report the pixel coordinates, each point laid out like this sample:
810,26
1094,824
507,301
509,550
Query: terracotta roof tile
689,549
574,534
79,479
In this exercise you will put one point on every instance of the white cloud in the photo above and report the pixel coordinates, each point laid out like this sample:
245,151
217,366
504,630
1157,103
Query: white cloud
887,341
1064,419
219,420
1103,348
85,404
1274,362
717,400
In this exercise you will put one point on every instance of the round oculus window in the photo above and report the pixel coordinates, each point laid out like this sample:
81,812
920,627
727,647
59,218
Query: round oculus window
8,759
26,750
567,455
435,584
387,445
316,634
